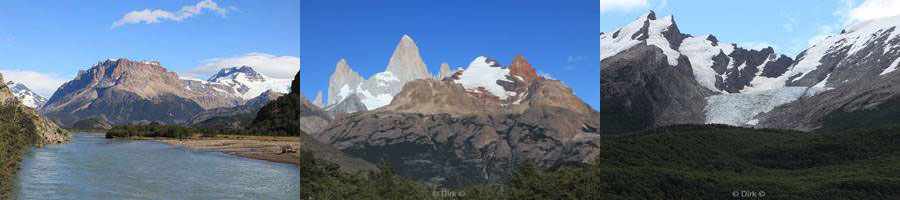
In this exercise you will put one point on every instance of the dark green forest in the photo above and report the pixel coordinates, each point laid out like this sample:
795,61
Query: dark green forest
675,162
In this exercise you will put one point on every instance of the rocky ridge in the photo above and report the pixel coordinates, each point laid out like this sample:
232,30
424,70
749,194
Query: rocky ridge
450,134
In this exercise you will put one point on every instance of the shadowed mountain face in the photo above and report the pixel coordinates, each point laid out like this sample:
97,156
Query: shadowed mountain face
447,133
238,117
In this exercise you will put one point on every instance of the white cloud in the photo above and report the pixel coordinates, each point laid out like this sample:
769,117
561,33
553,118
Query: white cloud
789,26
42,83
756,45
267,64
662,4
148,16
622,5
571,61
873,9
824,32
546,75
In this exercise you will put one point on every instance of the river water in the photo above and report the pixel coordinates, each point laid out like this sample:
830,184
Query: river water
93,167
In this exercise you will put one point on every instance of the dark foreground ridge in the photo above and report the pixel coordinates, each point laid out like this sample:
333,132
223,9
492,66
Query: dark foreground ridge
673,162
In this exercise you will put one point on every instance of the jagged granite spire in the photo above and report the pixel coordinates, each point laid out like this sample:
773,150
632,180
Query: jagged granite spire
343,76
406,63
445,71
318,101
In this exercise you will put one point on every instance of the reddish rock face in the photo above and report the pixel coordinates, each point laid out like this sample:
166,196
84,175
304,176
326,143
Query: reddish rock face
520,67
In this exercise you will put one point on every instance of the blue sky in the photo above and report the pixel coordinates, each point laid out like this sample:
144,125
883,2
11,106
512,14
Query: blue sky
559,38
45,42
789,26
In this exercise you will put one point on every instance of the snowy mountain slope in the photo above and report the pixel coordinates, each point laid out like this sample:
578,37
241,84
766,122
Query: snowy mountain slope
242,82
488,74
723,68
855,74
249,83
26,96
862,51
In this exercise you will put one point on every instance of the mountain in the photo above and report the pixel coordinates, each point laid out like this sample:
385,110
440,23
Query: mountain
237,117
124,91
350,104
319,100
854,79
406,63
404,66
445,72
26,96
248,83
234,86
472,127
654,75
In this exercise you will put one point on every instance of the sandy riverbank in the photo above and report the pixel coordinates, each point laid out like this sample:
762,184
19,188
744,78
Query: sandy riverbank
255,147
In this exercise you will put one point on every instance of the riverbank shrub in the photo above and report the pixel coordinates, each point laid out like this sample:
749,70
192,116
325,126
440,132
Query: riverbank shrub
17,134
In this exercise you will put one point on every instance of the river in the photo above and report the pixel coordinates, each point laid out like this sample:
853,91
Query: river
93,167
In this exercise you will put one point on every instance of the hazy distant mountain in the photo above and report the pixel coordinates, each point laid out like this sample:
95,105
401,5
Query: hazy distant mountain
237,117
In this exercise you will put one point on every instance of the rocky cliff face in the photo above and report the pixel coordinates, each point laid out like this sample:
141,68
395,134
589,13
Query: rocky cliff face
448,133
406,63
123,91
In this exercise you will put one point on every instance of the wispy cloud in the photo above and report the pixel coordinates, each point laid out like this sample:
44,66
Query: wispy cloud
148,16
756,45
622,5
662,4
42,83
573,61
267,64
873,9
545,75
789,26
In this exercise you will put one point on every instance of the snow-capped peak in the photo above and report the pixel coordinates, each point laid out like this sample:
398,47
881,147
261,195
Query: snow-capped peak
243,72
484,72
248,83
26,96
860,43
647,29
